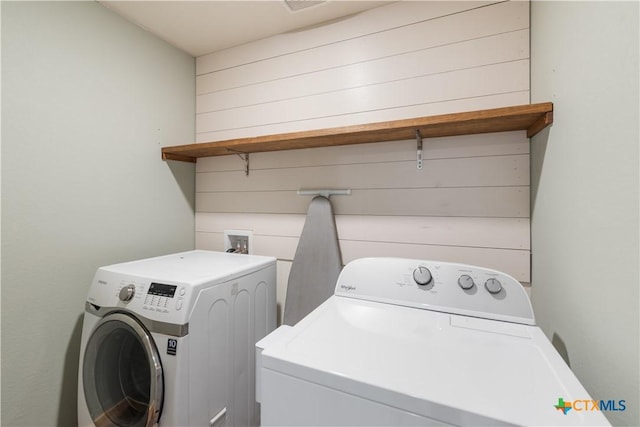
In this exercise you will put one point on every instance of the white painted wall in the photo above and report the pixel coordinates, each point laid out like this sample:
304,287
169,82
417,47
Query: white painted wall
585,184
469,204
404,60
87,101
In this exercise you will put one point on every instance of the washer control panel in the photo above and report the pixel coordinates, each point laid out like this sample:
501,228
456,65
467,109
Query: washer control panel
159,297
155,300
438,286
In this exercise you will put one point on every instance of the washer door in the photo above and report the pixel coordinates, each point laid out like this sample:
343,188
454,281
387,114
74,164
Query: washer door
122,374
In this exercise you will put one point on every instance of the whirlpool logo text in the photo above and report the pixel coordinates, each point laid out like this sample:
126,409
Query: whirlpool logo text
590,405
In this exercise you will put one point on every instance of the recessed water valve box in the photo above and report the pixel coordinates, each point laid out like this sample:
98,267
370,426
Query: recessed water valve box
238,241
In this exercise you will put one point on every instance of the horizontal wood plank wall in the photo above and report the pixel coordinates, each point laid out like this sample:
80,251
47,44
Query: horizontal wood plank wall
470,202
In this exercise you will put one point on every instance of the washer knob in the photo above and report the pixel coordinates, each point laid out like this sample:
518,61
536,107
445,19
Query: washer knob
493,286
465,281
127,292
422,276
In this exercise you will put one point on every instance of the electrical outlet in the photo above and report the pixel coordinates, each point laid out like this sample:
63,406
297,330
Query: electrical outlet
238,241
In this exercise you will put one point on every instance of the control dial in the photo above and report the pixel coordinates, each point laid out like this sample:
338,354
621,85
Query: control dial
465,281
493,285
127,292
422,276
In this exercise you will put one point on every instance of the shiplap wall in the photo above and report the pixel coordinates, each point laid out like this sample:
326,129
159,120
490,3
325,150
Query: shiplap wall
470,202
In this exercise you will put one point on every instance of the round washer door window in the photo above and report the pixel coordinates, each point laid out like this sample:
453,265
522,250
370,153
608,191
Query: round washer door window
122,374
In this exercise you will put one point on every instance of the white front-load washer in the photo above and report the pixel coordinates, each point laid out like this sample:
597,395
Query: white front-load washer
410,342
169,341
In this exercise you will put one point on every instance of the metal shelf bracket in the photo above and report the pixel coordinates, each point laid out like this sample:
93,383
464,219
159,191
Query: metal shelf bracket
419,149
244,157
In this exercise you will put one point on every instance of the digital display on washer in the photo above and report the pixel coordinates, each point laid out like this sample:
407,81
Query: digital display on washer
162,290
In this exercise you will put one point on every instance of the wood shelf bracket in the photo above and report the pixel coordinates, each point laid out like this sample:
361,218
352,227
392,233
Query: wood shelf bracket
545,120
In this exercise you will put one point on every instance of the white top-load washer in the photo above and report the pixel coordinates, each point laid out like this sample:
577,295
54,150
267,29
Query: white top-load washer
169,341
410,342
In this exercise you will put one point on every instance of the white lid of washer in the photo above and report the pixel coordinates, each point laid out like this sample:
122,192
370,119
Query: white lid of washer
192,267
461,356
456,369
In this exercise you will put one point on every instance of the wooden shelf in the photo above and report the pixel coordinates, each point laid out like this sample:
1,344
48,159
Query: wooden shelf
531,118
